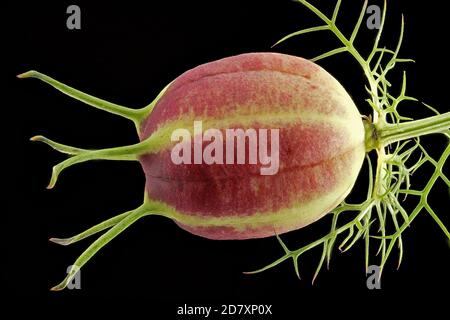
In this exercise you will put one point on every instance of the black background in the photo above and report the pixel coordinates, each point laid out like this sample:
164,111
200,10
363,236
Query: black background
126,53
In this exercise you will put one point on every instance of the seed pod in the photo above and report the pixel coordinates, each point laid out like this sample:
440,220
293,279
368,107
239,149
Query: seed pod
321,146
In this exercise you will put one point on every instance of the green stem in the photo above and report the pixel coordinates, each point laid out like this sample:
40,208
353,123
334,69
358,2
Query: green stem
93,230
407,130
132,114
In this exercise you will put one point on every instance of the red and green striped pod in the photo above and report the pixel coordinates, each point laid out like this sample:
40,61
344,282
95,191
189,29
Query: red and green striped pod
321,146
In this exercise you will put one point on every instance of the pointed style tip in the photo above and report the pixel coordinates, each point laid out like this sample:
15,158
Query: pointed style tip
62,285
56,288
63,242
53,180
54,240
27,74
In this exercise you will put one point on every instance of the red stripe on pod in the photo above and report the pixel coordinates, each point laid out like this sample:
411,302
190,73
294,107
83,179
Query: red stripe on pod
268,88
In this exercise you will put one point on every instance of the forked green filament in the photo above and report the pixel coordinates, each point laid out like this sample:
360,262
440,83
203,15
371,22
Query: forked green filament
116,225
130,153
